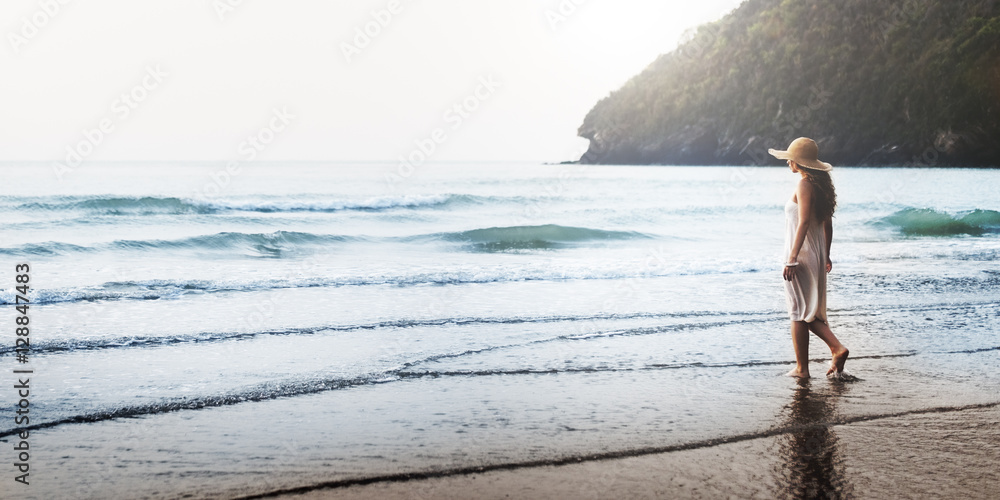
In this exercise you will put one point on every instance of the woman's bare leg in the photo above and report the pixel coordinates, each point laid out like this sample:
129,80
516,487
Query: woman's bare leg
839,352
800,342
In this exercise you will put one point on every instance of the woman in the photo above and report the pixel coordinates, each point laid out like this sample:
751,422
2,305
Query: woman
809,233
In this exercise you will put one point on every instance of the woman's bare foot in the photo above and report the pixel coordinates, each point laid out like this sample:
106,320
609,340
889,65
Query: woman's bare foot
838,361
798,373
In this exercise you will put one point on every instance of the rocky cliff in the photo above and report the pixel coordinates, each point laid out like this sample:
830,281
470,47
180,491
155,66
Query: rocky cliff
875,82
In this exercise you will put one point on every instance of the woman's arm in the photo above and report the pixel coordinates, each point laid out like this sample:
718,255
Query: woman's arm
804,195
828,228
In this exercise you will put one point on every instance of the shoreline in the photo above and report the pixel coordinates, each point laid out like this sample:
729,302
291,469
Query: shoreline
776,165
455,483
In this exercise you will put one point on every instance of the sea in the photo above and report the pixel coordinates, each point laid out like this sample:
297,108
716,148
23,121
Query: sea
203,331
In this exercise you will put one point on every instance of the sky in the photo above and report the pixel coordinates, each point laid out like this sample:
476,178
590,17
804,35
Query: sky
313,80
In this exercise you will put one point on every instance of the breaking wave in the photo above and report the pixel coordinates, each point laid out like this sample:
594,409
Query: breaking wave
929,222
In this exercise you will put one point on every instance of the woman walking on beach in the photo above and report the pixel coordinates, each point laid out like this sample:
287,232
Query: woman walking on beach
808,236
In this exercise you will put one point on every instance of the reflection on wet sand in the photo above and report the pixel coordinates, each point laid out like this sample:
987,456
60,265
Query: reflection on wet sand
811,465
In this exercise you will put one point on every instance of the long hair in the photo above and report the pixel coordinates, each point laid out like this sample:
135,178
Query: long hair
824,200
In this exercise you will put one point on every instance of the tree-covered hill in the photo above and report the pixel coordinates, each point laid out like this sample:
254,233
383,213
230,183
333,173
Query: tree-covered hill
875,82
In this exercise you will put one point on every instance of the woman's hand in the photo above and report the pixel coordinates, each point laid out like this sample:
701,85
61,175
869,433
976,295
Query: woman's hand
788,273
829,265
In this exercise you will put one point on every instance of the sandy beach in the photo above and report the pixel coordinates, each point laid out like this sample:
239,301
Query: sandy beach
944,453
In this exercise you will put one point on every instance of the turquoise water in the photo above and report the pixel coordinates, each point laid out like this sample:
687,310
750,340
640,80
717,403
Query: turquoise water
193,332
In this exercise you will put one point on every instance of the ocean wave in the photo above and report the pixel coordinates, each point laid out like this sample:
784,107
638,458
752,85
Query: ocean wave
114,205
368,204
929,222
154,205
276,244
261,392
175,289
687,320
284,243
63,345
499,239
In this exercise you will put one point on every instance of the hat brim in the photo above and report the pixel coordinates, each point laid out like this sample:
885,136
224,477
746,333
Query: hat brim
781,155
813,165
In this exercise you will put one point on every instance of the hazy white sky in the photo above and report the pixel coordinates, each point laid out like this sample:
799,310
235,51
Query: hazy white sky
194,79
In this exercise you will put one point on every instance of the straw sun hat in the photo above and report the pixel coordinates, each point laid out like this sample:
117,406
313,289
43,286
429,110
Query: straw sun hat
803,151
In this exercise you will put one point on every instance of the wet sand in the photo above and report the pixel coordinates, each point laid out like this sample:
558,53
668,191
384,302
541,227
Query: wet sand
932,453
912,426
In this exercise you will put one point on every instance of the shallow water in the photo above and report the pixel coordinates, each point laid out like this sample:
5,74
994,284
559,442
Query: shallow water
316,322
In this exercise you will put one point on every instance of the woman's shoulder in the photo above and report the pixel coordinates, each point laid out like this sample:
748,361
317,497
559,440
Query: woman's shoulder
804,187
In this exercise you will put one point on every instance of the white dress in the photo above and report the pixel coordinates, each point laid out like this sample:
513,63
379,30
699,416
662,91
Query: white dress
805,293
